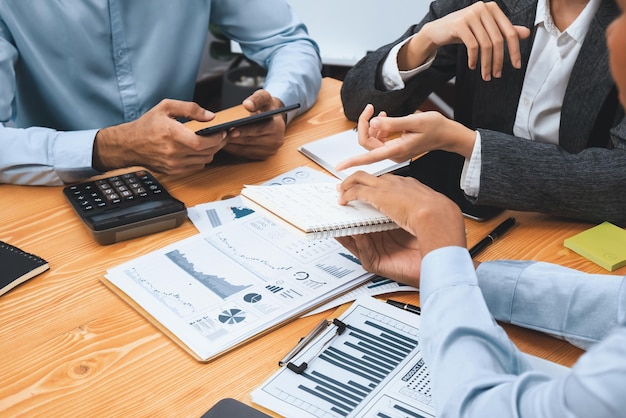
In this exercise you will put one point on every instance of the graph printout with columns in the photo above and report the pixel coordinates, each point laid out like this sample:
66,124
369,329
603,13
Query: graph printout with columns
373,369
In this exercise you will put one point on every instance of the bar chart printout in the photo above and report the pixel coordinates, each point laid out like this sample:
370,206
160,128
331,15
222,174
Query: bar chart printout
373,369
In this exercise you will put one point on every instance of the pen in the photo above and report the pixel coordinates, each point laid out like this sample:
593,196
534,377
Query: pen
492,236
407,307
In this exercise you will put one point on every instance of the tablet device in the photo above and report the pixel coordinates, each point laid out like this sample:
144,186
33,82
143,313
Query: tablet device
232,408
441,171
258,117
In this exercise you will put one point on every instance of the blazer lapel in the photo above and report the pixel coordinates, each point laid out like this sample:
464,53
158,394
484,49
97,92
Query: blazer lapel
502,95
583,100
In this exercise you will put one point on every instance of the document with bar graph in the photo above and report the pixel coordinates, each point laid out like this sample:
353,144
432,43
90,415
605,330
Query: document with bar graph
372,368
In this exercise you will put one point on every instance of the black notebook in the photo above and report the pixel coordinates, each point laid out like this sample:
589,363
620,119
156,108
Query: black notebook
17,266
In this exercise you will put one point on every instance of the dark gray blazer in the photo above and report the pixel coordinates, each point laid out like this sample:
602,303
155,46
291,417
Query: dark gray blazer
584,177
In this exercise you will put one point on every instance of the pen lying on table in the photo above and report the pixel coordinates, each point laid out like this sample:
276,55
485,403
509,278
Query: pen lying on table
492,236
406,306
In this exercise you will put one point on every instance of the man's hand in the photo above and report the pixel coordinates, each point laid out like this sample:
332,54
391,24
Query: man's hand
394,254
261,140
429,220
158,141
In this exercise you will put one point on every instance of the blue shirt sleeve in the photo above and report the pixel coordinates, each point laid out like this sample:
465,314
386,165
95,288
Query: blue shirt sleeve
579,307
130,55
476,370
42,156
278,41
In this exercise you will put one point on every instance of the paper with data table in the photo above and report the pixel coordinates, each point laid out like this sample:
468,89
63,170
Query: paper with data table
373,369
213,292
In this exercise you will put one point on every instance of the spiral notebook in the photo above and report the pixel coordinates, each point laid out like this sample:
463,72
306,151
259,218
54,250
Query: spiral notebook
18,266
313,209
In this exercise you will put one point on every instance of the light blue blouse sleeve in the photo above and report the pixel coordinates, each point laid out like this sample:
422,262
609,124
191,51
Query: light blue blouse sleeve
579,307
270,34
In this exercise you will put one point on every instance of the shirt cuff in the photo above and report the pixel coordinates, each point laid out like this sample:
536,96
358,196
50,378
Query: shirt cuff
498,280
73,155
393,78
443,267
470,176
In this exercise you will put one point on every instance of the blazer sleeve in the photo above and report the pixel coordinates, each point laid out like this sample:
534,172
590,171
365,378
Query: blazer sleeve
589,185
363,83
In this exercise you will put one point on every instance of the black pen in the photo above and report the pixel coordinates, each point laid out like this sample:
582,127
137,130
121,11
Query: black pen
407,307
492,236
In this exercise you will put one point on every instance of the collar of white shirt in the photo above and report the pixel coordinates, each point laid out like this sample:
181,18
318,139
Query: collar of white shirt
576,31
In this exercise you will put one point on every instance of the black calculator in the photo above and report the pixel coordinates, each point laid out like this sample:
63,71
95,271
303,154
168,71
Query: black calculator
125,206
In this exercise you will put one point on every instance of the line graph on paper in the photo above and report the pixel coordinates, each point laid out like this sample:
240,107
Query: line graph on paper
267,257
187,282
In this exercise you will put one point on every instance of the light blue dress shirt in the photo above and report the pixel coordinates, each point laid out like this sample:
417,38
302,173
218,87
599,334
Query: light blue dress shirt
477,371
69,68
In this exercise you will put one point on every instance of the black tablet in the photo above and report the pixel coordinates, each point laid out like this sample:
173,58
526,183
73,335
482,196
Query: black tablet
441,171
257,117
232,408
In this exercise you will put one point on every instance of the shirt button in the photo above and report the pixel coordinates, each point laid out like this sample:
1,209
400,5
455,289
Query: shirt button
526,102
132,115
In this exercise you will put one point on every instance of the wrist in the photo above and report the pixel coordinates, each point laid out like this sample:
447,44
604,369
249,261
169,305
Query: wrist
107,154
416,51
437,225
461,139
96,159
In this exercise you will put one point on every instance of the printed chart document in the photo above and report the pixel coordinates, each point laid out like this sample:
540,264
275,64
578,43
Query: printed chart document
377,285
213,292
313,209
373,369
329,151
210,215
207,216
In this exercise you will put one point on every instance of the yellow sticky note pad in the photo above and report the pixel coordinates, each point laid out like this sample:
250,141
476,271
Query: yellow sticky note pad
604,244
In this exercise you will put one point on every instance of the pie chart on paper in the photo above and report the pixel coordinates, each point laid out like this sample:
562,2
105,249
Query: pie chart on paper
252,297
232,316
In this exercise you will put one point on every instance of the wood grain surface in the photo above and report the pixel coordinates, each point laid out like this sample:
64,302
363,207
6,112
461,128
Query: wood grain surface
71,347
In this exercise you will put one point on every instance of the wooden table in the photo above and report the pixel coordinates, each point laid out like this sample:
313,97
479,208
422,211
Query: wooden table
70,347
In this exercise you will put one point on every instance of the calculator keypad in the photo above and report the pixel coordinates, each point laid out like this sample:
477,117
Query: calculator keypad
125,206
114,191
